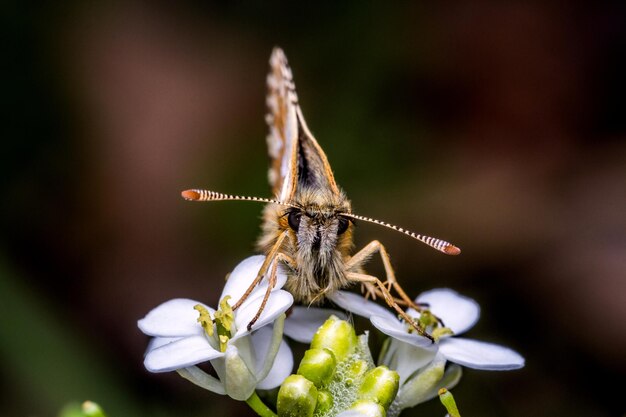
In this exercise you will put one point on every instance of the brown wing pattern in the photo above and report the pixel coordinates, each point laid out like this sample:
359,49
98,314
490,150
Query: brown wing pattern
295,155
283,126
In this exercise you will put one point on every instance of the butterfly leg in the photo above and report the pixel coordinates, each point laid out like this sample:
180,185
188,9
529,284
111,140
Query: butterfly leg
364,278
264,267
280,257
375,246
370,290
373,292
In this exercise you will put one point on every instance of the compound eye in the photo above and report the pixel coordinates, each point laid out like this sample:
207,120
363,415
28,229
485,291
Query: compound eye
294,219
343,225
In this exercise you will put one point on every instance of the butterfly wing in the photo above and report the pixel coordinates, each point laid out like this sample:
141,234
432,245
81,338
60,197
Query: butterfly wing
283,125
297,160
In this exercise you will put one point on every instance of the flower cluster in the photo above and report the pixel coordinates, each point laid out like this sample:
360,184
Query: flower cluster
337,376
420,363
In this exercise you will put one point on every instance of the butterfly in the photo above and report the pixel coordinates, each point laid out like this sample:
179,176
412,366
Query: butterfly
308,225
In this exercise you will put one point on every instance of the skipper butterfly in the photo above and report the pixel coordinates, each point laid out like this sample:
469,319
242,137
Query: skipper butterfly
308,226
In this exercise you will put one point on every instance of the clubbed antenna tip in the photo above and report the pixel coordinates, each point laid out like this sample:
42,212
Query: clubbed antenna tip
191,195
452,250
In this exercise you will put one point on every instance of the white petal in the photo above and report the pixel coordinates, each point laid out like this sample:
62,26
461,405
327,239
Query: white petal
157,342
180,354
173,318
414,390
450,378
239,381
244,274
268,347
303,322
358,305
278,302
480,355
458,312
410,358
397,330
281,369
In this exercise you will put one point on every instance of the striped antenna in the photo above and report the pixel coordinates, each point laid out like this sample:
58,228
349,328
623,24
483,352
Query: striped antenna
206,195
440,245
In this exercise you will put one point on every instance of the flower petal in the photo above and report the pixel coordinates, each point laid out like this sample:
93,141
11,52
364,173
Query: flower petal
278,302
182,353
426,384
450,378
414,391
397,330
408,358
480,355
458,312
244,274
239,380
173,318
157,342
360,306
269,348
303,322
281,369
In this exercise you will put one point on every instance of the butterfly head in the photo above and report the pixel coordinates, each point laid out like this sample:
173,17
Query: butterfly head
316,221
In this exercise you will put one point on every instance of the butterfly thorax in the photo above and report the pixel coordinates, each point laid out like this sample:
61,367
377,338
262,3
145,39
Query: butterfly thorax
318,241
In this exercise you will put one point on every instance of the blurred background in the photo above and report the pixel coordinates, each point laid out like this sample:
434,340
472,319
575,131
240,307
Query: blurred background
497,126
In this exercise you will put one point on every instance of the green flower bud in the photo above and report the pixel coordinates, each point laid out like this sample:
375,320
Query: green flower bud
369,408
297,397
336,335
318,366
239,382
91,409
380,385
448,401
355,372
324,402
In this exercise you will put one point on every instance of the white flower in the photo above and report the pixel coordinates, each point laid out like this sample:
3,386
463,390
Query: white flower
243,359
458,313
420,363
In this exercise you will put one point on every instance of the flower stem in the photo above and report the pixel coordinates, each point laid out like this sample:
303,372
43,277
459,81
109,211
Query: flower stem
259,407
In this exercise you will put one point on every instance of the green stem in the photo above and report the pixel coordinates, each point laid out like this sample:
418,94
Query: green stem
259,407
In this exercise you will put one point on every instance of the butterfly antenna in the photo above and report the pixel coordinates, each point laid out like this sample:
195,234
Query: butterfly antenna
441,245
206,195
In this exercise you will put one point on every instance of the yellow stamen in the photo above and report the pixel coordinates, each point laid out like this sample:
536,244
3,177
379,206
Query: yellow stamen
427,319
224,316
205,319
223,342
441,331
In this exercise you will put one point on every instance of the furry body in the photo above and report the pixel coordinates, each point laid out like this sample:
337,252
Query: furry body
318,251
